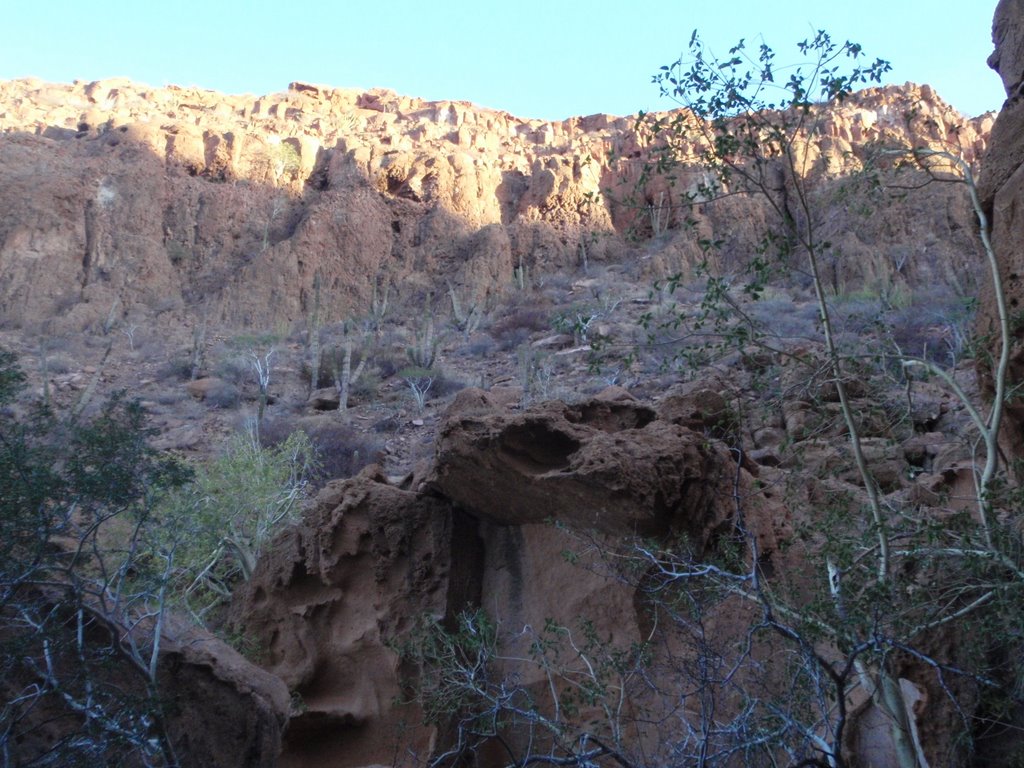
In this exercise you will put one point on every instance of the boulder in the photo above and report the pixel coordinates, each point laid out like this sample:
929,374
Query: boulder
607,465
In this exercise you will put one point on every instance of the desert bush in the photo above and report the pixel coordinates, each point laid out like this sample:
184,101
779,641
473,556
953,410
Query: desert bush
514,329
529,318
177,368
482,347
225,395
421,384
84,570
232,367
389,424
389,365
339,449
172,396
229,512
445,385
57,363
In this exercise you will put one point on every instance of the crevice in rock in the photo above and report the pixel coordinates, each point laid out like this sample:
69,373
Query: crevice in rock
535,448
465,575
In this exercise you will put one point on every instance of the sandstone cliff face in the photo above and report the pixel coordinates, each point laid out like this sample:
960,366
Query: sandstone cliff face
1001,188
182,200
336,595
335,598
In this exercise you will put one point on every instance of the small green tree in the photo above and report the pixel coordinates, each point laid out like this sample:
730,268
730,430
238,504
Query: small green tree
235,504
84,584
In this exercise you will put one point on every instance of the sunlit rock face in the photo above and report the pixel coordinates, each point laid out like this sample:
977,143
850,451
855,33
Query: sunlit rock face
185,201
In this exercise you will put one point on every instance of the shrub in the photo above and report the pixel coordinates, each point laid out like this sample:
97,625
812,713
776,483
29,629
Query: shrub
444,385
224,395
178,368
233,507
234,369
525,319
389,365
84,567
481,347
339,449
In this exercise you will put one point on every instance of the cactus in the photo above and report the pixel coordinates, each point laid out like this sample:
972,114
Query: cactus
466,320
313,336
344,376
423,352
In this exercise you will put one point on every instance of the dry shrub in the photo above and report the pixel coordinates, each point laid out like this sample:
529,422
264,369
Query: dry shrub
341,450
515,328
178,368
223,395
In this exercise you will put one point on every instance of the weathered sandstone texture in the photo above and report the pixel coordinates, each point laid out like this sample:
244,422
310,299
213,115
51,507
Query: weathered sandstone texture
1001,188
487,526
190,202
334,595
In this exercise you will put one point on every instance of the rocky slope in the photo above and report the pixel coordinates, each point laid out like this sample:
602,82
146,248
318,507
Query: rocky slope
121,198
171,205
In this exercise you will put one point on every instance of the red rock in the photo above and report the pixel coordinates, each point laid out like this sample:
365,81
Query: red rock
175,195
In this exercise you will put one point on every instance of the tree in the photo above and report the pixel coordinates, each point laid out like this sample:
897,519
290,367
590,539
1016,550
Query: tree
880,578
230,510
84,582
755,131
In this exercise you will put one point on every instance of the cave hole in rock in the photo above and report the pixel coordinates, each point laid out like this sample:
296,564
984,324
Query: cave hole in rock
538,446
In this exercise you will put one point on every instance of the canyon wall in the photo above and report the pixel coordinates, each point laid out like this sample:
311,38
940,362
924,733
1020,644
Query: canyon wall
1001,188
119,197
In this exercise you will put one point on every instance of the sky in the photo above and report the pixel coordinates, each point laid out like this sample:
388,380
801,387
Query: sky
547,60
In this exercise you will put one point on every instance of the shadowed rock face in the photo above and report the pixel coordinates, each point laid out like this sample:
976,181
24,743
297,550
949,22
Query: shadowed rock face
608,465
219,708
333,596
188,201
1001,189
235,711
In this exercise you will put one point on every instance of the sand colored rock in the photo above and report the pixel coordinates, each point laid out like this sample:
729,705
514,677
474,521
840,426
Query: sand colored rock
1001,189
335,596
329,599
190,202
604,464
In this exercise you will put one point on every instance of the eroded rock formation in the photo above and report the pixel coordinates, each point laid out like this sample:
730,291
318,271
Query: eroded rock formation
335,595
153,200
1001,188
488,526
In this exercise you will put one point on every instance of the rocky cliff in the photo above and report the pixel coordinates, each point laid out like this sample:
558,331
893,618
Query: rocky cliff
1001,189
178,203
152,200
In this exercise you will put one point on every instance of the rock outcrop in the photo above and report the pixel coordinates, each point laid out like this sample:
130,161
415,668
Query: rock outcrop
489,526
334,597
227,710
218,707
1001,189
120,197
606,464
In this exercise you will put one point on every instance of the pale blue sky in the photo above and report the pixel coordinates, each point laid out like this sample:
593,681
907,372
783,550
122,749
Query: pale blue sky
535,59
